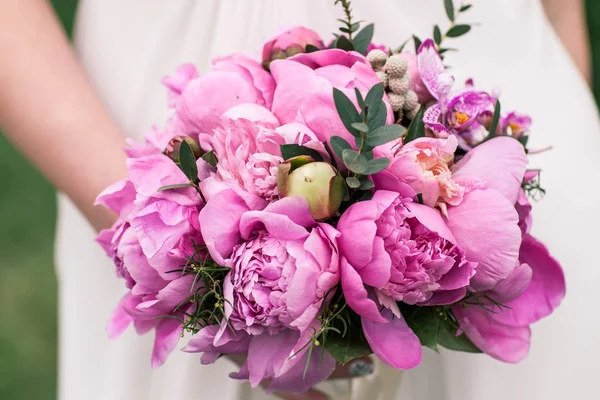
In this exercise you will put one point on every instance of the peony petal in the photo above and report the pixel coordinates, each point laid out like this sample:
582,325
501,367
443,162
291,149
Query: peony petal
500,162
267,354
513,286
220,223
359,217
120,318
431,219
326,57
377,272
357,296
118,197
252,112
168,334
485,225
394,343
544,293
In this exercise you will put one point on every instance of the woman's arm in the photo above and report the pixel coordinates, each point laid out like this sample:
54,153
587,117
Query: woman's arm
50,111
568,19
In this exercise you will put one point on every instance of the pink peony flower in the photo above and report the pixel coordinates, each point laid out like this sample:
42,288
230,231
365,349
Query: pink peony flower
424,164
289,42
283,266
405,253
236,79
416,83
531,292
177,82
305,83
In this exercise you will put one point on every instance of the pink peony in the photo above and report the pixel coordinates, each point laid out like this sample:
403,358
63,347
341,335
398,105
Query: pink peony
532,291
424,164
289,42
283,266
177,82
416,83
404,253
305,83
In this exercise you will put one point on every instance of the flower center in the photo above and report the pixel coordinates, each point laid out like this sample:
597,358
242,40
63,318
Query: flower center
460,118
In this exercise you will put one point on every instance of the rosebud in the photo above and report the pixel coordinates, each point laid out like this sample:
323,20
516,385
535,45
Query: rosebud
172,150
318,182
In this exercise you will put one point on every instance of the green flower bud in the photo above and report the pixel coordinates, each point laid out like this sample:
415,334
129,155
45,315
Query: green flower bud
172,150
318,182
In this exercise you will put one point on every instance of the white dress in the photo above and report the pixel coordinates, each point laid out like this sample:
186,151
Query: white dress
128,45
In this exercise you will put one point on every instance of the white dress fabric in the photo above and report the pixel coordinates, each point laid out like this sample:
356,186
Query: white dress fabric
128,45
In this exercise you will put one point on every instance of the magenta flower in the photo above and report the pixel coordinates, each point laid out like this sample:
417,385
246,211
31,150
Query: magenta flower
531,292
289,42
404,253
177,82
304,91
283,266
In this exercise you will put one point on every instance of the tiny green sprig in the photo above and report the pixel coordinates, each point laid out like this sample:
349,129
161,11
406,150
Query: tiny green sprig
533,188
454,30
349,39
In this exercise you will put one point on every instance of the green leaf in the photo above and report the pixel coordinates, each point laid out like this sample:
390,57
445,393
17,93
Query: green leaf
345,30
437,35
294,150
449,9
363,39
346,110
465,8
367,185
187,161
344,43
352,345
385,134
355,161
425,322
354,27
418,43
447,337
353,182
338,145
402,46
311,49
359,98
523,140
458,30
495,120
210,158
361,127
416,128
177,186
442,51
377,165
376,107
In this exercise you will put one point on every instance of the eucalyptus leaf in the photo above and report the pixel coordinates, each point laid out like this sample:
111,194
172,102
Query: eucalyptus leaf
437,35
495,120
354,27
449,5
368,155
346,110
359,98
294,150
378,119
416,128
354,161
366,185
344,43
465,8
418,43
361,127
187,162
363,39
523,140
458,30
377,165
376,107
210,158
385,134
176,186
353,182
338,145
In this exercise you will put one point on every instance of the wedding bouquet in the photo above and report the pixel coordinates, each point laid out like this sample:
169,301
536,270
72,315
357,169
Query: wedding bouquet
334,201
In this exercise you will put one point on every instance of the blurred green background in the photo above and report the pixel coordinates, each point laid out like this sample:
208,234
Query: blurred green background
27,283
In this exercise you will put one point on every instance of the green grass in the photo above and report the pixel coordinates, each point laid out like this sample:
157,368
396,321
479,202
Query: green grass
27,283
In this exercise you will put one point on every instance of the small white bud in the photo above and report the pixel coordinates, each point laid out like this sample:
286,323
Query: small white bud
377,58
396,101
396,66
412,100
383,78
400,85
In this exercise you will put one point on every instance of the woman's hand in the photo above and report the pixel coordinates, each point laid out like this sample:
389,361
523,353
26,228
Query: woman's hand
354,369
50,111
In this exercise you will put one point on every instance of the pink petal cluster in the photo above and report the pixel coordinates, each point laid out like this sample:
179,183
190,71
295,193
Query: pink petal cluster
290,41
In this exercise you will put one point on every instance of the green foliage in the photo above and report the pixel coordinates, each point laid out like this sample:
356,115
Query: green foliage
449,5
416,129
437,35
346,111
210,158
294,150
187,162
495,120
458,30
385,134
363,39
176,186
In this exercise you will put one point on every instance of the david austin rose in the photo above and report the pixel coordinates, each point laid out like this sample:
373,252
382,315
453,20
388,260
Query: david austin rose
289,42
283,267
304,91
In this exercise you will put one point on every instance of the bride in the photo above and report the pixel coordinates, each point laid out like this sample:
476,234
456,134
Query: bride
72,126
